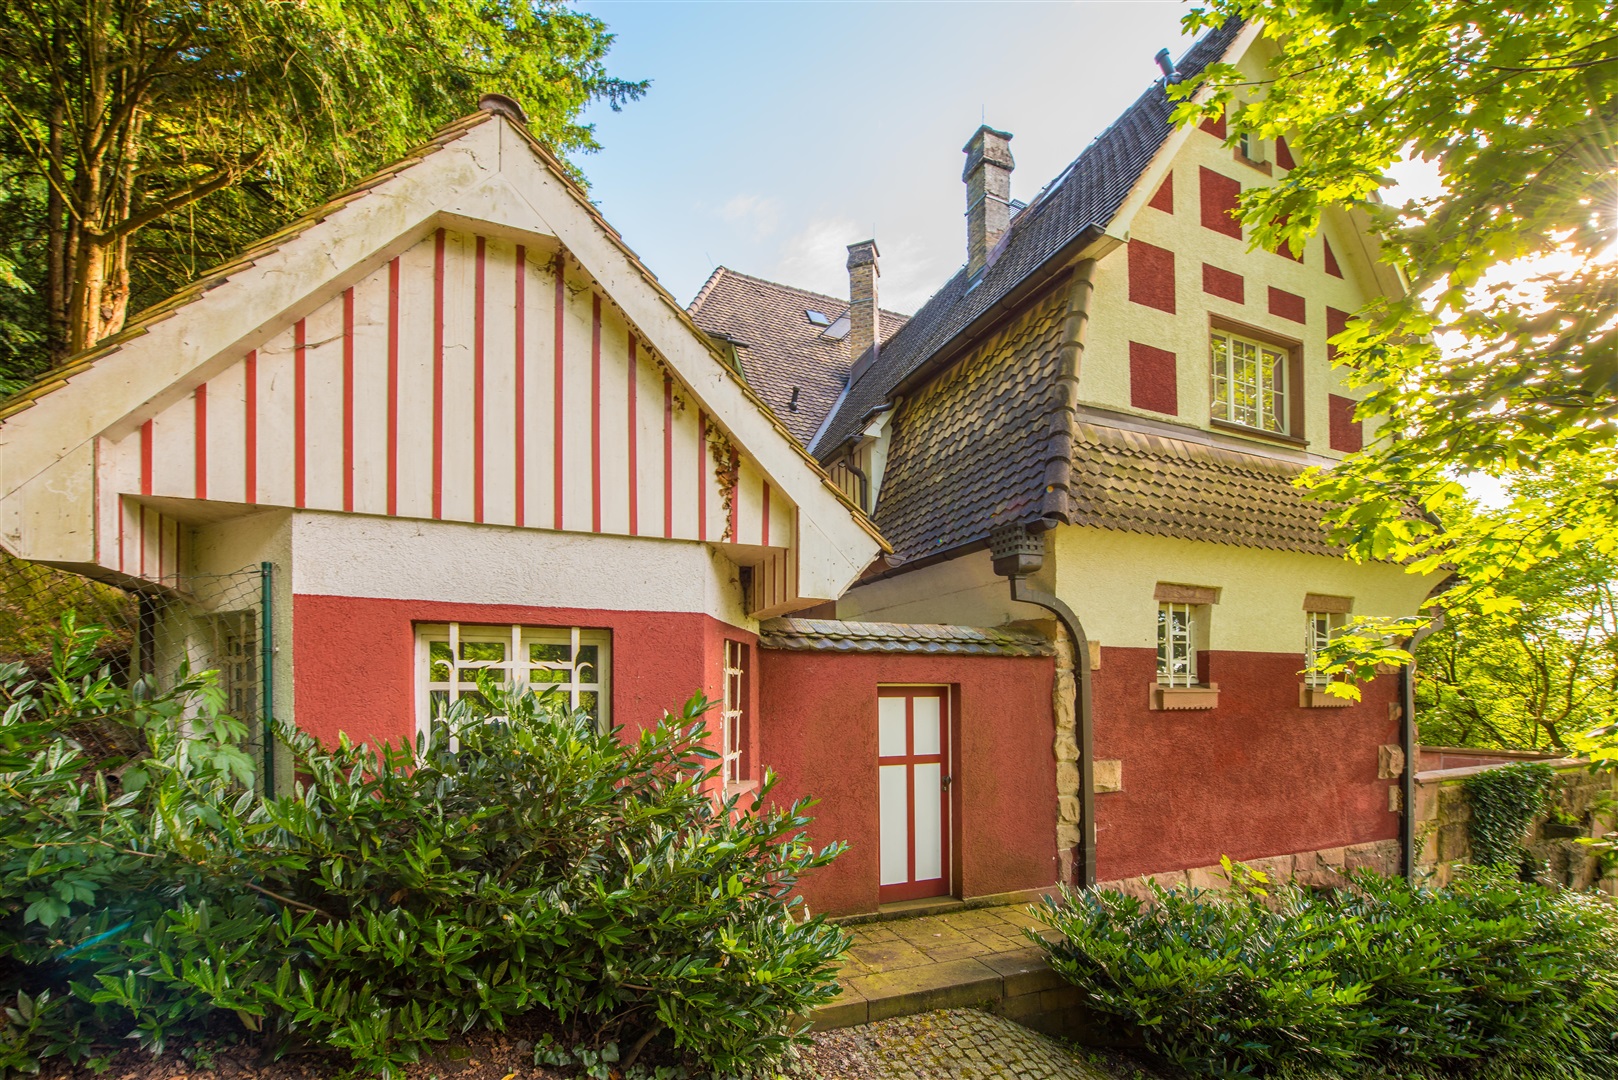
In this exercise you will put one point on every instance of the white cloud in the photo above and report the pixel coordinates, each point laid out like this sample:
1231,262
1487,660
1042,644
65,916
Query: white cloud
816,258
758,216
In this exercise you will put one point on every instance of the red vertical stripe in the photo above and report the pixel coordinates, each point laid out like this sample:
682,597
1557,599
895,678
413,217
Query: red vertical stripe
668,456
477,384
735,498
250,429
393,387
348,399
560,268
595,412
438,374
520,393
300,346
764,529
702,475
146,439
199,404
634,470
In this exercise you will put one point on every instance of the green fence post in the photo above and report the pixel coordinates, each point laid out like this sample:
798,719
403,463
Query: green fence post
266,666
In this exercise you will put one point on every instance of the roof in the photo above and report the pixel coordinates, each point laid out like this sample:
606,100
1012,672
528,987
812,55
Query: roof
1084,197
1141,482
779,348
831,635
966,453
286,240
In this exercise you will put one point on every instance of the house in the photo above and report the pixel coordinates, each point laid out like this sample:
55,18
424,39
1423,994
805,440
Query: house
1108,404
447,425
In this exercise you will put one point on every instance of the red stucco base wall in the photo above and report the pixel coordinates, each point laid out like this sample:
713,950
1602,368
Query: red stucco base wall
1256,776
354,660
818,731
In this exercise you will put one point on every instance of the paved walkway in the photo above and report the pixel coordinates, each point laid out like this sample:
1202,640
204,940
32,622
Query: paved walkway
976,956
953,1044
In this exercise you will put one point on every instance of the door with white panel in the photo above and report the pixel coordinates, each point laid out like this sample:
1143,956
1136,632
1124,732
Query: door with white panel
914,776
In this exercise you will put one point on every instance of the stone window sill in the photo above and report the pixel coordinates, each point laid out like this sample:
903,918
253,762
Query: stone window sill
1176,698
1256,433
1316,697
1265,167
746,787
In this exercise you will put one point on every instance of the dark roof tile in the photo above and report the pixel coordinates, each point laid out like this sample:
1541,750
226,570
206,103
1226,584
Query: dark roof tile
779,348
831,635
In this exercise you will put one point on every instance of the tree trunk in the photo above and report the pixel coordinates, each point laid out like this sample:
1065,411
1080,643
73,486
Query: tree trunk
56,253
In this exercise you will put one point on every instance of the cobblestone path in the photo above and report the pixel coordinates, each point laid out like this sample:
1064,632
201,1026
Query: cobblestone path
951,1044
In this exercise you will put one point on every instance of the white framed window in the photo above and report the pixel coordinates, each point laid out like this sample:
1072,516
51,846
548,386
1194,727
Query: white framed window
1176,644
572,663
733,716
1319,628
1249,382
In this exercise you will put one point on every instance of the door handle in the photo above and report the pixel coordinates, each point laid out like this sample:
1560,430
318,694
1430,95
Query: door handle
945,783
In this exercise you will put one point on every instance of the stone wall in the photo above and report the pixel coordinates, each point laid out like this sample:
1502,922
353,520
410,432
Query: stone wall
1323,867
1444,815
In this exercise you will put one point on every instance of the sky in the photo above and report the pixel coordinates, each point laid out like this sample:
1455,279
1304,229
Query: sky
775,134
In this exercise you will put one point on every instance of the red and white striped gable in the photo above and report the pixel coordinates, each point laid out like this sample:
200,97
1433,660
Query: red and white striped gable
477,373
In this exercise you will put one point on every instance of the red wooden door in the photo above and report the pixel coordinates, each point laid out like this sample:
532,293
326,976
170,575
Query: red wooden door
913,772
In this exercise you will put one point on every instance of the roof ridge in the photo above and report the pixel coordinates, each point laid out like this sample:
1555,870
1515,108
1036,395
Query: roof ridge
838,302
707,287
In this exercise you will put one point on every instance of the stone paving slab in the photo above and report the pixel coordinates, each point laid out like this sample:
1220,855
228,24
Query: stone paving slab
967,957
954,1044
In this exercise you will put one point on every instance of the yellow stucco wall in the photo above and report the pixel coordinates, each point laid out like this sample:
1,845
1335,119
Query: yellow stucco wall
1109,578
1116,321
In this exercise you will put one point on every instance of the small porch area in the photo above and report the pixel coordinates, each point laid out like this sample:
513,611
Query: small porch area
944,957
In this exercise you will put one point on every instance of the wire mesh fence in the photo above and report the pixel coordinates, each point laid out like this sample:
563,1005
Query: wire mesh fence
196,622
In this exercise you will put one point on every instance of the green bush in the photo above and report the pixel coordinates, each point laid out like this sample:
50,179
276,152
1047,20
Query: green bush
1504,803
399,895
1487,977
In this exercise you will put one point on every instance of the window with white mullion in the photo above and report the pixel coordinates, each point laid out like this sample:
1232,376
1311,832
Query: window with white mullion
1176,648
734,713
1318,630
1249,382
568,662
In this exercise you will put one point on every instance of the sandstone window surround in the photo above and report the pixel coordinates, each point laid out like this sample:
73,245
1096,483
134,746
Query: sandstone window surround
1256,383
1183,615
570,664
1324,617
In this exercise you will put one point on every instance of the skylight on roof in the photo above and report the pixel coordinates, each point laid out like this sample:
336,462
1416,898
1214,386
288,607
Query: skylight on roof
819,318
837,331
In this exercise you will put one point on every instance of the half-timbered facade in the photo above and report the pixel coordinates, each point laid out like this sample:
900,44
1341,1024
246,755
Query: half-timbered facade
1117,376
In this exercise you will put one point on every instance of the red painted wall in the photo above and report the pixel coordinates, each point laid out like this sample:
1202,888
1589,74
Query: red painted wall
1256,776
1219,194
1287,305
1151,276
354,660
818,731
1152,381
1224,283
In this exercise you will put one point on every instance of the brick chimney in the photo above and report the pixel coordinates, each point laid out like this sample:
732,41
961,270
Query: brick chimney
988,194
864,317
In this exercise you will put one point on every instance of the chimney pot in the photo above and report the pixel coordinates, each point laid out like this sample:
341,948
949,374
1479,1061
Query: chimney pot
988,194
864,316
505,106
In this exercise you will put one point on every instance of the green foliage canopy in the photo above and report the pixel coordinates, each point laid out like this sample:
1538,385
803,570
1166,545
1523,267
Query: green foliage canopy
144,140
517,860
1516,104
1486,978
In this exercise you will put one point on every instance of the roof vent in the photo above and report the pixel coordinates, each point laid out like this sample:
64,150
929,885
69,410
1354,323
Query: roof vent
819,318
1167,64
507,107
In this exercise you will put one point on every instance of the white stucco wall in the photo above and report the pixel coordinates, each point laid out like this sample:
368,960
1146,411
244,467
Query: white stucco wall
402,559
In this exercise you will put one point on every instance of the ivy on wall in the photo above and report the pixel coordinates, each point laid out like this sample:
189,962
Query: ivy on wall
1504,803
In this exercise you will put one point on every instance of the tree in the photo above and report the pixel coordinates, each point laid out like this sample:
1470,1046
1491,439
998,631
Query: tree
1541,677
141,137
1502,357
